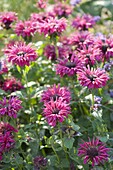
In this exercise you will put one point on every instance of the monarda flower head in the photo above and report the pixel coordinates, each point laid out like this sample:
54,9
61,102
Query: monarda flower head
41,4
105,47
79,39
84,22
62,10
68,66
49,52
25,28
56,93
56,111
6,137
92,78
52,26
39,162
6,18
12,85
10,107
21,54
94,152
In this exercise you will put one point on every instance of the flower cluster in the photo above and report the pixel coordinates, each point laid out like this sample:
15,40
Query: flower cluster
39,162
69,66
10,107
56,104
6,18
41,4
25,28
84,22
96,78
6,138
20,54
93,151
52,26
62,10
11,85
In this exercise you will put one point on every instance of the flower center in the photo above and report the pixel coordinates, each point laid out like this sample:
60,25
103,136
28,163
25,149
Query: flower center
92,77
55,96
92,152
104,48
21,53
55,111
70,65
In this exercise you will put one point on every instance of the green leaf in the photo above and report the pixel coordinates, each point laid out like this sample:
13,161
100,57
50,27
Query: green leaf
18,68
68,142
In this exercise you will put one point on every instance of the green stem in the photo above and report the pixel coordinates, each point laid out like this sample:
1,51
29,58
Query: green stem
56,154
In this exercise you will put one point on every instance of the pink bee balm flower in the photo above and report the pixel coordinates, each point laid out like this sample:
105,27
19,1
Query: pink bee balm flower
10,107
21,54
78,39
52,26
62,10
12,85
96,78
41,4
94,151
56,111
84,22
49,52
6,137
105,47
56,93
6,18
25,28
68,66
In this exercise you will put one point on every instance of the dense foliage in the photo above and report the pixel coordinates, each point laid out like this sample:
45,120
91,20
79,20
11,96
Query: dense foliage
56,85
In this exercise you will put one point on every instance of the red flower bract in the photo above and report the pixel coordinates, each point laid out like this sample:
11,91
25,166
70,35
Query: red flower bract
10,107
21,54
56,93
56,111
93,151
92,78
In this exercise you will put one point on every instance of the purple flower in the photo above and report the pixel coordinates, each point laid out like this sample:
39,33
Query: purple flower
41,4
62,10
87,54
39,162
12,85
25,28
21,54
105,46
56,93
10,107
68,66
6,137
49,52
75,2
94,151
6,18
56,111
78,39
84,22
52,26
95,78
